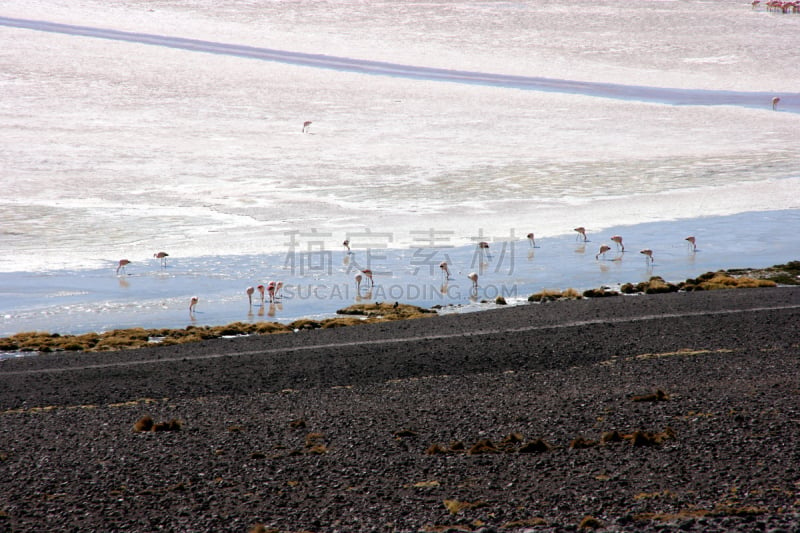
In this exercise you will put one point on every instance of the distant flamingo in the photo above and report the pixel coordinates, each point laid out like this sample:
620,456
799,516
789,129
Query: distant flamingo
581,232
278,287
484,246
122,264
306,124
617,239
445,269
271,291
692,243
346,244
358,279
163,257
775,101
531,240
603,249
250,291
368,273
474,277
193,304
649,253
261,291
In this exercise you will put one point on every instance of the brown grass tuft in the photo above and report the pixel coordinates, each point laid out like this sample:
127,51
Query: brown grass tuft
611,436
590,522
436,449
536,446
143,424
581,443
483,446
658,396
456,506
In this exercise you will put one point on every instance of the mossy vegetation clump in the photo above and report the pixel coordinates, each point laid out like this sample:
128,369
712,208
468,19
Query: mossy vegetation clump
549,295
387,311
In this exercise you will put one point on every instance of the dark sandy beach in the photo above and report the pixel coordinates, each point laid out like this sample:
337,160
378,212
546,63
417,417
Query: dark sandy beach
374,427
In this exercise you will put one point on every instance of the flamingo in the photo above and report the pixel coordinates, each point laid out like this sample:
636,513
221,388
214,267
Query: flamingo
445,269
192,304
306,124
368,273
603,249
261,291
358,279
532,240
474,277
649,253
617,239
163,257
483,245
278,287
346,244
250,291
581,232
775,101
122,264
692,242
271,291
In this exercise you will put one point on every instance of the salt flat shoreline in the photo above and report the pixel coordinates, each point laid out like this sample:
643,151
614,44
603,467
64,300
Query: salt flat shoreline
254,411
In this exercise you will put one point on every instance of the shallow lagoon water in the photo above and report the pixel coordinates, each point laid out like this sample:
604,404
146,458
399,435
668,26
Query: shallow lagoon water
320,280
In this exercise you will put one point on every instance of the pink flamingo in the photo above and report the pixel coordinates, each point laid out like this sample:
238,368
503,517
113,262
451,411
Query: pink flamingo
163,257
581,232
122,264
603,249
775,101
306,124
358,279
250,291
445,269
617,239
531,240
193,304
261,291
474,277
278,287
368,273
346,244
692,242
649,253
271,291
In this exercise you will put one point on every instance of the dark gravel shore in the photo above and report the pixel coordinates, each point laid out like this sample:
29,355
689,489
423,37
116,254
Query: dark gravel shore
479,422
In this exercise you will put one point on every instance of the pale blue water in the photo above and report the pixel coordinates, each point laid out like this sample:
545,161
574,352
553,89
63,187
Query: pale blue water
320,280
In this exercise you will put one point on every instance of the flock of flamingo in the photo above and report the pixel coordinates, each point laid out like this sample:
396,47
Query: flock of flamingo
273,289
774,5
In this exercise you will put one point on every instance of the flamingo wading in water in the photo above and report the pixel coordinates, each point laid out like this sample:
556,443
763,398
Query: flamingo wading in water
193,304
603,249
692,242
445,269
368,273
250,291
122,264
581,232
532,240
473,276
649,253
163,256
618,240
